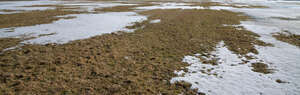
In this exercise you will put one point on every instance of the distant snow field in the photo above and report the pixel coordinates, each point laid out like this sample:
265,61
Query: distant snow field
9,7
170,6
18,6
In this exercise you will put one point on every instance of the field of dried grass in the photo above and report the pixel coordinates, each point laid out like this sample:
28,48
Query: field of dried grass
141,62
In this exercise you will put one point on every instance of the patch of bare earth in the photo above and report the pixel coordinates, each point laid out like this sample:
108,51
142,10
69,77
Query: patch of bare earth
141,62
288,37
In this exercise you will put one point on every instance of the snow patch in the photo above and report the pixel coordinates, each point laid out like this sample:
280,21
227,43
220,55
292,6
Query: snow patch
270,17
19,5
231,78
170,6
81,27
155,21
90,6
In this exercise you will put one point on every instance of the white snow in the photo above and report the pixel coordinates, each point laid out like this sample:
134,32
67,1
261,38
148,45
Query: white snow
232,78
19,5
245,1
65,30
81,27
11,48
270,16
170,6
155,21
283,56
227,78
90,6
238,79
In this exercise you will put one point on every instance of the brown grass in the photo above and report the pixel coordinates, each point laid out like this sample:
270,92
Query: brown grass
288,37
261,68
8,42
135,63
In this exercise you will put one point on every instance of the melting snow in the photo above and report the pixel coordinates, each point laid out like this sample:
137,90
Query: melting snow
170,6
155,21
227,78
65,30
90,6
81,27
283,56
271,16
232,78
19,5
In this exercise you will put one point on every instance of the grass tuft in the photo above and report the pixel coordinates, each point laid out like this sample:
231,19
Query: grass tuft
261,68
288,37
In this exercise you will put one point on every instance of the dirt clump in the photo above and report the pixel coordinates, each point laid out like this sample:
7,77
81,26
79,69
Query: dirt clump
261,68
280,81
